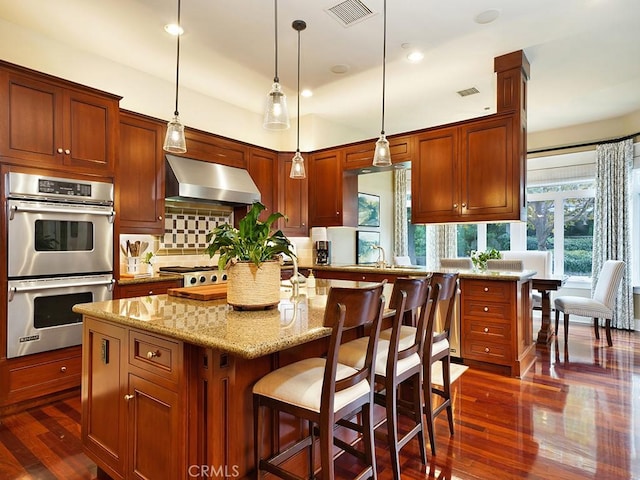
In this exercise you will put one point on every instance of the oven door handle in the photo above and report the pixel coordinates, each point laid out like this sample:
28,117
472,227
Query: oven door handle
16,209
14,290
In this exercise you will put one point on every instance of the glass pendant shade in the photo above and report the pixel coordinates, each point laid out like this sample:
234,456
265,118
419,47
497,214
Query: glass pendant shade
276,112
382,155
174,140
297,166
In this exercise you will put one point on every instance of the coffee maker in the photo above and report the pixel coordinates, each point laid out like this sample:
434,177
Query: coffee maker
323,252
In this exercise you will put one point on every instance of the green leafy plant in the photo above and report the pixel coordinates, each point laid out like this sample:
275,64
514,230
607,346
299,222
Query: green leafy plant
479,259
253,242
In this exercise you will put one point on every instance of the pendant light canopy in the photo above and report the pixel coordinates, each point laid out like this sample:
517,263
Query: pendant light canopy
174,140
382,155
276,113
297,165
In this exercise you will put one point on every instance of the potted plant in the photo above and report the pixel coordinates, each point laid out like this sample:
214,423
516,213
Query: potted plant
251,256
479,259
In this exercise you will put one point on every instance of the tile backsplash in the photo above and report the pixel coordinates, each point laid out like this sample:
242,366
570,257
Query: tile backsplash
186,228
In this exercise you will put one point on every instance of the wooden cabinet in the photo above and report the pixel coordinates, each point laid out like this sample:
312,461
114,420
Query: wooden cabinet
133,419
147,288
364,276
333,194
468,173
211,148
496,323
293,198
53,123
360,155
263,168
140,175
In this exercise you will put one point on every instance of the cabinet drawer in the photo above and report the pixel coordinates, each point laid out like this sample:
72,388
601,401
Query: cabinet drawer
487,309
155,355
30,381
479,330
487,351
487,290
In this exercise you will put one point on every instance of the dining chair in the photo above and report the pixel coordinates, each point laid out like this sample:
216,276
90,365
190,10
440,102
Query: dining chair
323,391
601,303
437,350
399,362
505,265
463,263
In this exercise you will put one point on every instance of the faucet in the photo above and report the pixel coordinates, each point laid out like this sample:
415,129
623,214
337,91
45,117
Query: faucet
381,263
295,281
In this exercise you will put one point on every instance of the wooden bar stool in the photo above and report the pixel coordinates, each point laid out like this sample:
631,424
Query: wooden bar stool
399,361
323,391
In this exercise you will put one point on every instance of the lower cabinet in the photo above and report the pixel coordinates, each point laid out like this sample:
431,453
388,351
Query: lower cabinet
133,415
146,288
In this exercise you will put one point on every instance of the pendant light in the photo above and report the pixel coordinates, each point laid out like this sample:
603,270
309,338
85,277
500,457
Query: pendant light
276,113
174,140
297,165
382,155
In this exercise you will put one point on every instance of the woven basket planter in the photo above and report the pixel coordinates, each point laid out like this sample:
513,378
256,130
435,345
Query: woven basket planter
253,288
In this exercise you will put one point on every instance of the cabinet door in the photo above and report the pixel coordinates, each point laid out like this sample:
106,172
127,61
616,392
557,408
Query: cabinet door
360,155
90,131
435,190
147,288
156,445
33,127
489,171
211,148
263,168
293,199
104,407
140,176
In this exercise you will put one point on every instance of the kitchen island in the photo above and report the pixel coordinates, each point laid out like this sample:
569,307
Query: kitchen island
166,381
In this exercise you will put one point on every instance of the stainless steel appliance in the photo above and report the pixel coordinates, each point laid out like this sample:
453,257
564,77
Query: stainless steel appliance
196,276
60,252
323,252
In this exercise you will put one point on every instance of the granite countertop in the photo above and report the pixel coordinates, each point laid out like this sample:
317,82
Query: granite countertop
422,270
124,280
214,324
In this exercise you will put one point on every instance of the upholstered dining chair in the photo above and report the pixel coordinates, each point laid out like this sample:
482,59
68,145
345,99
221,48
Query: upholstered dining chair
463,263
323,391
399,362
505,265
600,305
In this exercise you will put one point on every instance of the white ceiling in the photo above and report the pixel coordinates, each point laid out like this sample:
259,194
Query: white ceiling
584,54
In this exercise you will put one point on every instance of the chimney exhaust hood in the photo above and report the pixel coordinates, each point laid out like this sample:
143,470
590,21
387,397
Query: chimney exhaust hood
197,181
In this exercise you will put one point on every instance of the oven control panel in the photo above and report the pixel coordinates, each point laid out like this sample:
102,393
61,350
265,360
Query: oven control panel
211,277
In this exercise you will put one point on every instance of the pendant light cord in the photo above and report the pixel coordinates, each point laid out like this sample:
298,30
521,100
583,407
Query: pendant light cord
177,60
298,134
275,22
384,58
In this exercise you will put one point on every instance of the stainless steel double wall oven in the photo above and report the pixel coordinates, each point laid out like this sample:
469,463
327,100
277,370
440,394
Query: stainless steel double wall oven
60,252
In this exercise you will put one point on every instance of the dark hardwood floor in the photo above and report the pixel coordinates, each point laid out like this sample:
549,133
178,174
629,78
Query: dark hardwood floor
575,415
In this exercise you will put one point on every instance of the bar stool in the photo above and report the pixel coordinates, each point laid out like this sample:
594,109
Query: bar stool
399,361
323,391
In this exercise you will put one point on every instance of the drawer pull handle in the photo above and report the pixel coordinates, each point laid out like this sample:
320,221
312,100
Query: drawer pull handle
486,309
151,355
486,289
63,369
486,329
486,349
128,397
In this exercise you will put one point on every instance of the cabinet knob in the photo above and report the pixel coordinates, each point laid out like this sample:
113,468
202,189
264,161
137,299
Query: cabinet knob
455,205
464,205
338,213
486,350
128,397
486,289
63,369
304,224
150,355
67,151
486,329
486,309
60,150
150,293
159,217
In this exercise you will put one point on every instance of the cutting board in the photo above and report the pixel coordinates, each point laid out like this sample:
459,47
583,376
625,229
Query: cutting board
204,292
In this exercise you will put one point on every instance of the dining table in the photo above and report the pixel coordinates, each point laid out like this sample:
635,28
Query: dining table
546,285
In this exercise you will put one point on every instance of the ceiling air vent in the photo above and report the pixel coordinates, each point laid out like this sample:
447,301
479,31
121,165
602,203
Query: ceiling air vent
468,91
350,12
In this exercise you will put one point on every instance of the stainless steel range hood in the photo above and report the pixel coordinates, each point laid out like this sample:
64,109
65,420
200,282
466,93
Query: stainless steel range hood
197,181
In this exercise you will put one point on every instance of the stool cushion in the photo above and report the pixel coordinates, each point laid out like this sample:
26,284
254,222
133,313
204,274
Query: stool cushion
300,384
353,354
408,333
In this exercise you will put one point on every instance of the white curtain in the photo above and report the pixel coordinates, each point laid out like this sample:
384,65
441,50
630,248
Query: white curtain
400,229
612,228
442,242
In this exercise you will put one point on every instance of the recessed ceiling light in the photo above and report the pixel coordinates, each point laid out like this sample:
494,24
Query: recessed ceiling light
415,56
340,69
306,93
487,16
173,29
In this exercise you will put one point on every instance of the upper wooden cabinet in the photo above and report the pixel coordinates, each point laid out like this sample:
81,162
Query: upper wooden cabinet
468,173
211,148
57,124
360,155
263,168
140,175
333,194
293,198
